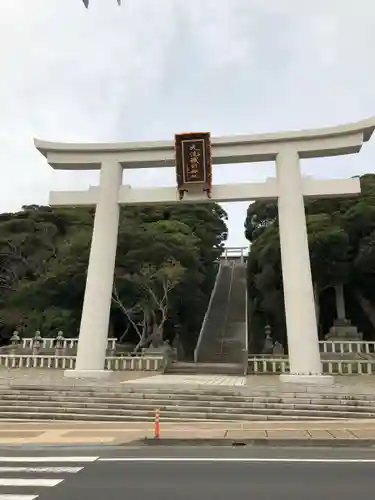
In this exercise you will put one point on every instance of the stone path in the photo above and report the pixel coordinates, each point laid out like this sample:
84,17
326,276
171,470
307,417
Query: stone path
344,384
40,376
191,380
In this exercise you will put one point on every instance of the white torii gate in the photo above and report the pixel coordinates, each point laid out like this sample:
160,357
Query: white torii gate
289,188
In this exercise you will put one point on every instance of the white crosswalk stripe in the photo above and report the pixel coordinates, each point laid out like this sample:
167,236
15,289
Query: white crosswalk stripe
42,470
16,482
48,459
18,497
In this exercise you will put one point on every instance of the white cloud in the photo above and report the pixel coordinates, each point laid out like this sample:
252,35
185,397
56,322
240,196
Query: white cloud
155,67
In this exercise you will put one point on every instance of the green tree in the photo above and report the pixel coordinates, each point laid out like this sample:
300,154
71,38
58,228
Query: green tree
43,263
156,264
341,236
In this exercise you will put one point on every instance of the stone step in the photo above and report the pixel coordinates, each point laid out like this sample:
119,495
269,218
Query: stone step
206,368
192,388
146,399
15,416
196,394
192,412
64,401
87,414
128,387
133,413
138,403
38,416
177,371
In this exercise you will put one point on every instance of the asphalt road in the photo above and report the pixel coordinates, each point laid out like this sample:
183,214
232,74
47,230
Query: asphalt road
110,473
203,474
219,481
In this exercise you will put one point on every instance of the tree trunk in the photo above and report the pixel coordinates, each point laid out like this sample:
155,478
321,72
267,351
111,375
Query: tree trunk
367,308
143,340
157,336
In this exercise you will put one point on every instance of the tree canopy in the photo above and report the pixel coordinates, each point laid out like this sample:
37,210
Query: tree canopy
165,269
341,236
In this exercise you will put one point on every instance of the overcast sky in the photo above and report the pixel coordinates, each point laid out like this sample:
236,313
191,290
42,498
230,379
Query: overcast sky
156,67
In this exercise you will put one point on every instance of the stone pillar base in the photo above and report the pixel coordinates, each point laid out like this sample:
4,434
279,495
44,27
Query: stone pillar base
306,379
94,374
344,333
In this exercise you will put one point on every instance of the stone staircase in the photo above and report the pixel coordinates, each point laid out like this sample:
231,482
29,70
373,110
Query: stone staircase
190,404
223,334
214,324
233,340
203,368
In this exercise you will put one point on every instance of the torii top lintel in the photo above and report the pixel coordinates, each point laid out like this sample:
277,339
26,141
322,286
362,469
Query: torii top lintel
311,143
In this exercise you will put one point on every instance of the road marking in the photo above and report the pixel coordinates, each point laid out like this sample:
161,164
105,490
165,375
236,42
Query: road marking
42,470
239,460
15,481
18,497
47,459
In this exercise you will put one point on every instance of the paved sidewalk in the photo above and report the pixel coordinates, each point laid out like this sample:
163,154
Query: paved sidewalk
108,433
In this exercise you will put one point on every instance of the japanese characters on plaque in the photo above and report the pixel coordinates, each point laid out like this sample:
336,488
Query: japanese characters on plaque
193,163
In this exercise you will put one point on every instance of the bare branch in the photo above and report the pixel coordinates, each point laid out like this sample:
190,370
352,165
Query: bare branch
122,337
127,312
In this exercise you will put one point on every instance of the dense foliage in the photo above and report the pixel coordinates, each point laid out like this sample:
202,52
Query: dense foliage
166,265
342,249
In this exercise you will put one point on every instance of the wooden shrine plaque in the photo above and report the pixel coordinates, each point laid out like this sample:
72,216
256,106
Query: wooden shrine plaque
193,162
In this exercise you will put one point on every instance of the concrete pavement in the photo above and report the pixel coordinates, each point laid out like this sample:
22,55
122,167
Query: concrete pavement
352,432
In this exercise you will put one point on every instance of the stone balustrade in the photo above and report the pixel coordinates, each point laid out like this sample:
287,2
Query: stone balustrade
357,358
66,343
347,346
129,363
272,366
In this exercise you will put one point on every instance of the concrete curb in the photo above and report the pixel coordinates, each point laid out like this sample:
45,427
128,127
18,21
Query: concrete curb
322,443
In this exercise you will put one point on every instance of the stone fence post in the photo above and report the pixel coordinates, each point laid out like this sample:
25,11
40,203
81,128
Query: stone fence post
59,344
14,341
37,342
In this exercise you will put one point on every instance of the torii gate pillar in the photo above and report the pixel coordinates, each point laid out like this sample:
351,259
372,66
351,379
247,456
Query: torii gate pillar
93,333
289,188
